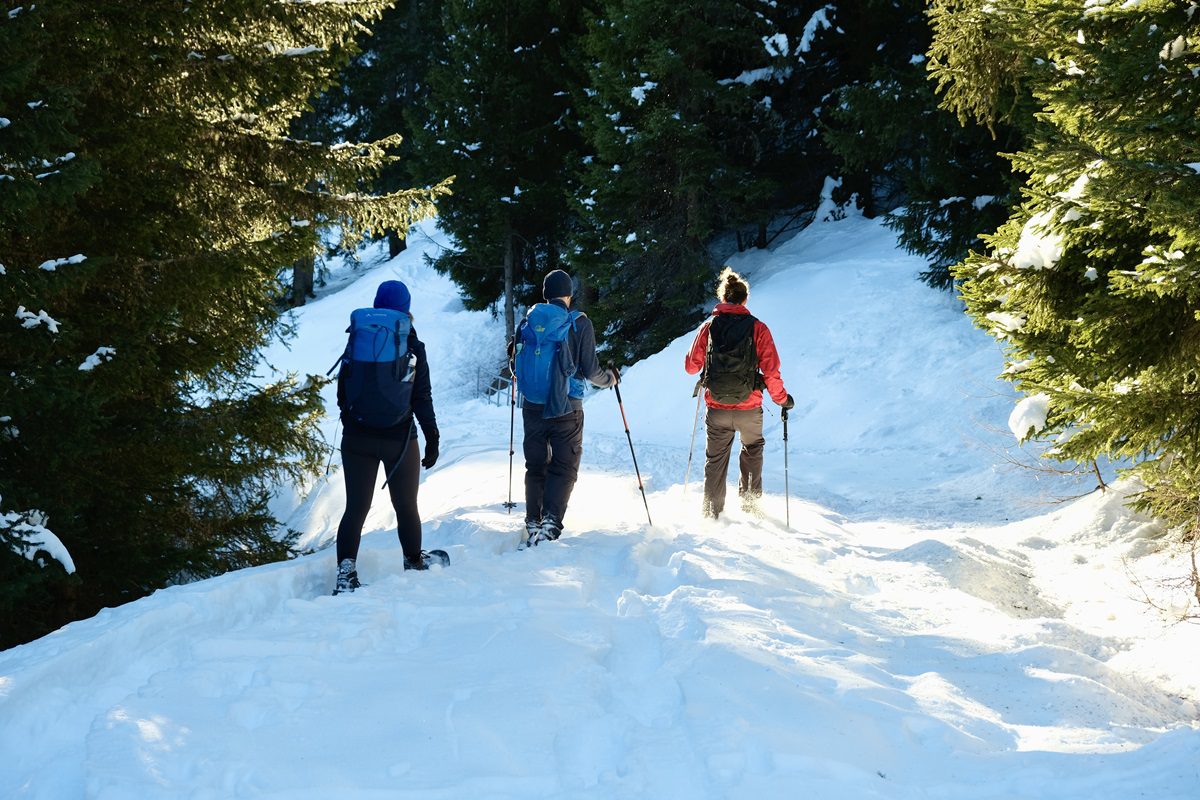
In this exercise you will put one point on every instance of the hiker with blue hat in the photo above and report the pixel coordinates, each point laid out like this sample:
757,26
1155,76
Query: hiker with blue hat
553,353
383,387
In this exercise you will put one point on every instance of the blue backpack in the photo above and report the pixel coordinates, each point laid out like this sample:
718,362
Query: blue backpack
376,376
543,366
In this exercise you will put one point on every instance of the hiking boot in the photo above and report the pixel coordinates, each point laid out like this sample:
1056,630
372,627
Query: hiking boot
708,511
417,563
532,529
551,528
750,503
548,531
347,577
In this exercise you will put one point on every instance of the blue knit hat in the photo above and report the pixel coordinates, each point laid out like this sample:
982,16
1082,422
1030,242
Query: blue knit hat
393,295
557,284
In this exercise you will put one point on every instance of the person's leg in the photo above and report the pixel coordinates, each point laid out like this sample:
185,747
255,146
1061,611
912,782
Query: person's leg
749,424
360,466
718,422
537,456
566,451
403,486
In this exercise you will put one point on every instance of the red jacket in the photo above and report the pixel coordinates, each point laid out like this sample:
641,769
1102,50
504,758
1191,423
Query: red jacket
768,360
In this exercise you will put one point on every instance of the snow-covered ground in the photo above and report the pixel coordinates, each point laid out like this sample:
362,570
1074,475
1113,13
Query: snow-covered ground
933,623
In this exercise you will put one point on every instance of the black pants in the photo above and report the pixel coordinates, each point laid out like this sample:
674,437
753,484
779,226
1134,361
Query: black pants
722,424
553,448
361,457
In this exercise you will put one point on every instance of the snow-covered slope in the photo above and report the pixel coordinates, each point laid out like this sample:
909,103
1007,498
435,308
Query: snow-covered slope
901,639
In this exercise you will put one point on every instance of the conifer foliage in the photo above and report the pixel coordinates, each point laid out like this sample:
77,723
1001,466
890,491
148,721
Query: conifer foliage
498,117
384,91
674,115
1094,283
149,192
945,181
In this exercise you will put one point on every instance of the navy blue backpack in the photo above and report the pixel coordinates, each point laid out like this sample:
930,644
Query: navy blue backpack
376,376
542,365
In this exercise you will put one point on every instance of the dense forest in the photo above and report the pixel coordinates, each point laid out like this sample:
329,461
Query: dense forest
169,172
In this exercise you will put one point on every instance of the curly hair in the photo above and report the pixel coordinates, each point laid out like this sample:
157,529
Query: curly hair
731,287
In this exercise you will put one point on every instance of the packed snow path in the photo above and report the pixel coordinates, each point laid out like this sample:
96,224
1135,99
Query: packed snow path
856,654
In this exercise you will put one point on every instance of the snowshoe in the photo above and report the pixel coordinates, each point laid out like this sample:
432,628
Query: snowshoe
428,558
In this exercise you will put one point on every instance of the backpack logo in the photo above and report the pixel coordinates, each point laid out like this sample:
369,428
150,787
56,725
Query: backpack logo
731,359
377,370
542,365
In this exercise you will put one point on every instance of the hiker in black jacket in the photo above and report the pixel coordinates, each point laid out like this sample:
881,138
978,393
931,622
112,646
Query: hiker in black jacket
365,448
552,414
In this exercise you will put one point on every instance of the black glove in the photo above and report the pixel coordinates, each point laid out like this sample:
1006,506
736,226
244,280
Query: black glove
789,404
616,373
431,453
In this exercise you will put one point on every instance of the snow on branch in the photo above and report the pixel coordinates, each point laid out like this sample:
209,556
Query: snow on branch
1029,416
638,93
97,358
276,50
55,263
26,533
31,320
818,21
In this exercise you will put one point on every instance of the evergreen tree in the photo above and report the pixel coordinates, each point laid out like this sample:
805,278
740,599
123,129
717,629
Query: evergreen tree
824,55
498,117
674,115
948,180
1092,284
150,192
383,92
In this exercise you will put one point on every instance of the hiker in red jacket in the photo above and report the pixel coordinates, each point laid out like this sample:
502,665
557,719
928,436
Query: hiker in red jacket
736,356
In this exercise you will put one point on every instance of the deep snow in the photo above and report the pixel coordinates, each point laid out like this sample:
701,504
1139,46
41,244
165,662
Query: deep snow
932,625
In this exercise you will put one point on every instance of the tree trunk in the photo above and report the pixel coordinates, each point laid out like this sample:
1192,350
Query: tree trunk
397,244
302,280
761,242
510,311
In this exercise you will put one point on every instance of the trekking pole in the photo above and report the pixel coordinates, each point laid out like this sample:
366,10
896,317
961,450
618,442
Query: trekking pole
696,419
512,426
787,505
403,452
629,436
333,448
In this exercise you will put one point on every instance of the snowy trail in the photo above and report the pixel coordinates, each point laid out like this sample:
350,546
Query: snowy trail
718,660
854,655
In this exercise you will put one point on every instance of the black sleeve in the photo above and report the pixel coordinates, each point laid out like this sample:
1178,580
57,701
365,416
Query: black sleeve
587,365
422,397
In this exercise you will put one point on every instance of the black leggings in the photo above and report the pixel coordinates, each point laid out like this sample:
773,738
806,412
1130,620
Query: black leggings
361,457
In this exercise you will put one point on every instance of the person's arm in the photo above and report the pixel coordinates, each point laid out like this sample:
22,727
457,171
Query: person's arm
693,362
768,363
422,397
587,364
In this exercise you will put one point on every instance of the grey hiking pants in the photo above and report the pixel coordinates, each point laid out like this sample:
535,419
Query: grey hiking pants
722,424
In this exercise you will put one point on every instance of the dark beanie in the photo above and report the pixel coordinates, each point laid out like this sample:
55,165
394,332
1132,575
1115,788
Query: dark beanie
393,295
557,284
